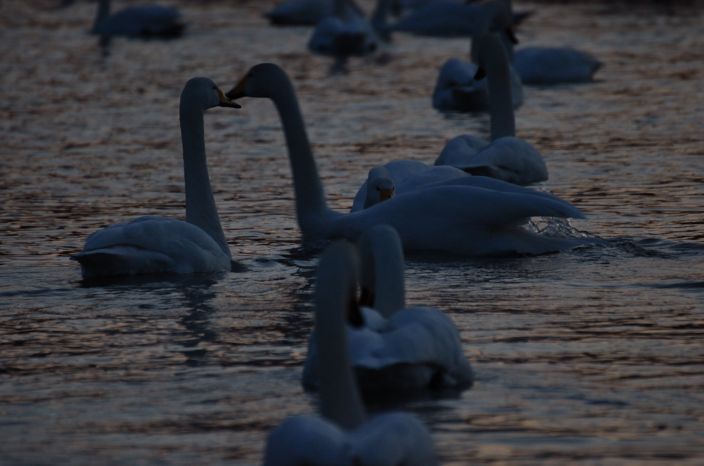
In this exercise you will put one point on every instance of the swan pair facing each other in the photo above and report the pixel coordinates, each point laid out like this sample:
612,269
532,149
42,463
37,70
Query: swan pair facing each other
343,435
393,348
152,245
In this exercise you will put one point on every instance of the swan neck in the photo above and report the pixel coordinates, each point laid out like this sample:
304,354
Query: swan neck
310,196
340,400
382,271
380,17
101,14
493,55
200,203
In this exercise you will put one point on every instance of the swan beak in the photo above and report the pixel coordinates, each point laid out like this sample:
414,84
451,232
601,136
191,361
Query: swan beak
225,102
480,74
512,36
385,194
237,91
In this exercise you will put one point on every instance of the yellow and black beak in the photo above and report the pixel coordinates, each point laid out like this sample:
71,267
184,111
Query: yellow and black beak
385,194
237,91
512,36
225,102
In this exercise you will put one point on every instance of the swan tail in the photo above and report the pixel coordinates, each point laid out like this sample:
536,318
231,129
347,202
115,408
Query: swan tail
122,260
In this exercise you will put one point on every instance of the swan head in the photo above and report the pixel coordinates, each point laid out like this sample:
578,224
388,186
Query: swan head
379,189
260,81
207,93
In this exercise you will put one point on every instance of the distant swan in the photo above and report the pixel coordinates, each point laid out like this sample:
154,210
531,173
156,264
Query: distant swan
554,65
507,157
343,435
457,219
346,33
137,21
165,245
454,19
393,348
300,12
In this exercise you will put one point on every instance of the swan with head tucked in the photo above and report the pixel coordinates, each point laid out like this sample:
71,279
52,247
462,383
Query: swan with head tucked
150,245
455,219
393,348
345,33
137,21
554,65
343,435
507,157
300,12
454,19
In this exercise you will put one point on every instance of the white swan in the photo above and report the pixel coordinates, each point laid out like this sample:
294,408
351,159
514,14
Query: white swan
554,65
137,21
457,219
344,34
164,245
455,19
393,348
507,157
300,12
343,436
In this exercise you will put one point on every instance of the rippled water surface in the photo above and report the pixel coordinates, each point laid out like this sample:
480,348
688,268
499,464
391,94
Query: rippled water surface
592,356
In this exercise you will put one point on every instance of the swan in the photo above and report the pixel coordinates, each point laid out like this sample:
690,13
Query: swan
137,21
447,18
300,12
345,33
393,348
165,245
507,157
455,219
554,65
343,435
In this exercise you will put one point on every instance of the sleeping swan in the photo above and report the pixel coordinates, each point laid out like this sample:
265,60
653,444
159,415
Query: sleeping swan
456,219
149,245
393,348
343,435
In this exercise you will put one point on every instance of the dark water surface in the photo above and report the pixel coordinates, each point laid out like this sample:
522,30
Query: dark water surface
594,356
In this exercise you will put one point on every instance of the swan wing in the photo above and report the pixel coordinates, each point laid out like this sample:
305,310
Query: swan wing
553,65
509,159
151,245
464,220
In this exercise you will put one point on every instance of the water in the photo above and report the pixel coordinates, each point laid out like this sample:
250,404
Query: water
592,356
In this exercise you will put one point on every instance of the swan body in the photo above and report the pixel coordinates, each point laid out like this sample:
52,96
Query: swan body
554,65
506,157
396,348
466,220
138,21
344,435
150,245
456,89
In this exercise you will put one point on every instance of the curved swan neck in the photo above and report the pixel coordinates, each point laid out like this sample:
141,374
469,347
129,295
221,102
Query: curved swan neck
382,269
336,284
101,14
380,18
493,57
310,196
200,204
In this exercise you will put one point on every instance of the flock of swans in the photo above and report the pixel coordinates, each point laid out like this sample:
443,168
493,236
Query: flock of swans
471,201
